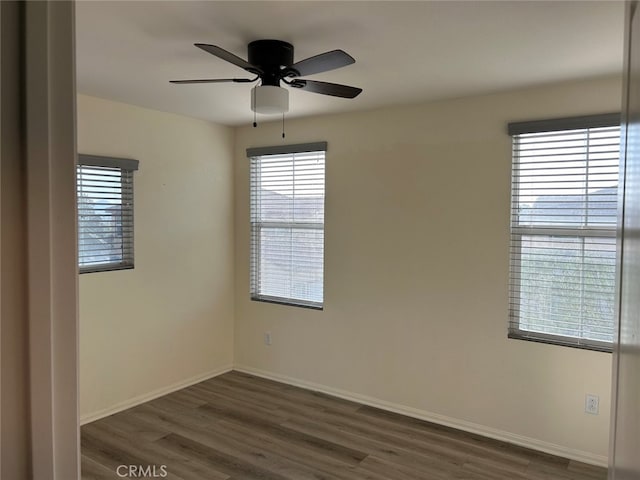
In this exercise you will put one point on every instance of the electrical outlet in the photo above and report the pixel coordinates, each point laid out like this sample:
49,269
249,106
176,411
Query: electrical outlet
591,404
267,338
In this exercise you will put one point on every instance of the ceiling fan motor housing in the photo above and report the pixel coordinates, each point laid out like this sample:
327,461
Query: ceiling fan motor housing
270,56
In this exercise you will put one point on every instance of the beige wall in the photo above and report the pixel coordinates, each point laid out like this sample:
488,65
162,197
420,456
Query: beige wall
169,320
416,265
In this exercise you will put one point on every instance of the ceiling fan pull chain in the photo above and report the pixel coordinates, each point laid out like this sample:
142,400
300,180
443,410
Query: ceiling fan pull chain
283,125
253,106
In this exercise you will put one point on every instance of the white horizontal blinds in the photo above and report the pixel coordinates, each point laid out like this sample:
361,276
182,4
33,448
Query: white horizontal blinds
287,227
105,218
563,227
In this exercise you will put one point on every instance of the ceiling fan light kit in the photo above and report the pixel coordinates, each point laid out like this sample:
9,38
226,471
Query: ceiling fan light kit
271,61
269,100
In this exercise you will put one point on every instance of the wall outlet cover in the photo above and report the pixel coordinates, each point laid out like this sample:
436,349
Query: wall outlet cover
592,404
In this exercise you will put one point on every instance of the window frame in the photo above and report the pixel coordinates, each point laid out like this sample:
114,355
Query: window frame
256,227
127,167
516,231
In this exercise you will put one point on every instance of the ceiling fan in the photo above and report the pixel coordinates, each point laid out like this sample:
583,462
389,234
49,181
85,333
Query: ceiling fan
271,61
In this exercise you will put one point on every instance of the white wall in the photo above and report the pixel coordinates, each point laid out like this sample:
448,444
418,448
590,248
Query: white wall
416,273
169,320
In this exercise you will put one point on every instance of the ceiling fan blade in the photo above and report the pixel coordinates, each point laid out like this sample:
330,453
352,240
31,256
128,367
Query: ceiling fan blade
228,56
326,88
320,63
214,80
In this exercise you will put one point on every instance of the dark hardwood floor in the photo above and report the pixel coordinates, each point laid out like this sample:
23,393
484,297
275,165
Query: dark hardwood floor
240,427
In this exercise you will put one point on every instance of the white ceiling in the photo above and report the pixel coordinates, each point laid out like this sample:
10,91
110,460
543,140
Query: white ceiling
405,51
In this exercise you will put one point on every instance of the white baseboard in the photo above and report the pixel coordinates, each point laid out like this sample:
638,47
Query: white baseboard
132,402
528,442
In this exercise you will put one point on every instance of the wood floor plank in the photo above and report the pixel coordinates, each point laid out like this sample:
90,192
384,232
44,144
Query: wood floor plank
472,444
112,454
260,406
92,470
136,430
340,420
382,434
309,463
438,468
185,398
320,461
241,427
397,470
153,454
226,411
235,466
169,415
241,447
408,436
544,471
308,398
587,472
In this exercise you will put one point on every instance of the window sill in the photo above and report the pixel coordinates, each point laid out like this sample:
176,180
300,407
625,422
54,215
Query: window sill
561,341
287,302
104,268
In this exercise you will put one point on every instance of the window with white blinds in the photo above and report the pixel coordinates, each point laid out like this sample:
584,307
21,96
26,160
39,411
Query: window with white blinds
287,224
563,230
105,213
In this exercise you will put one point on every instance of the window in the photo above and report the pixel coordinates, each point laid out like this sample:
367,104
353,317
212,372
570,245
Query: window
287,224
563,230
105,213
